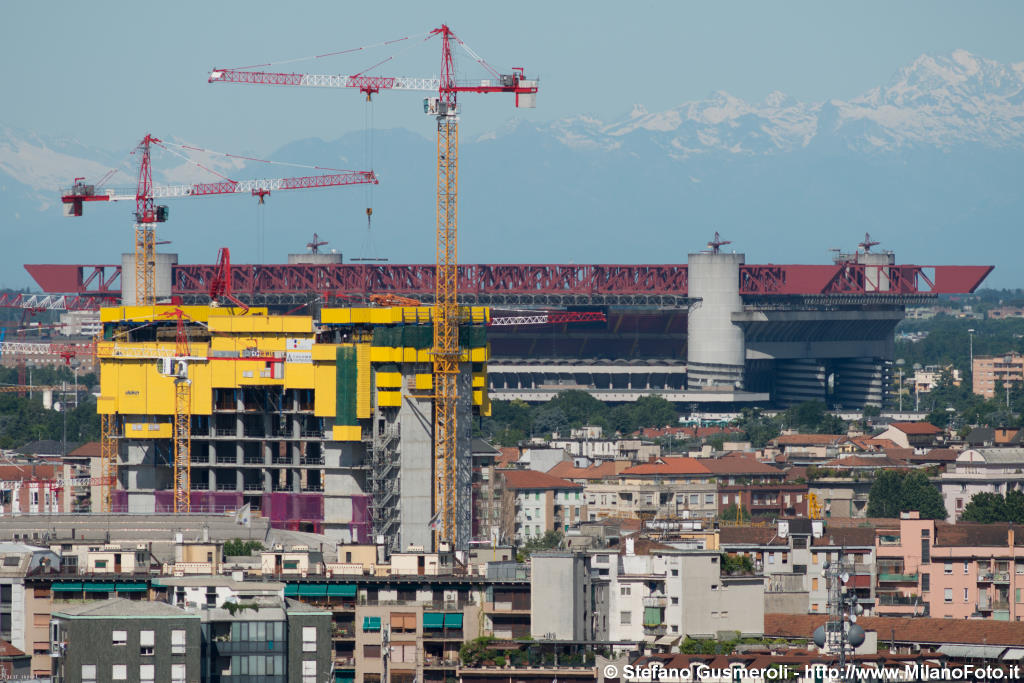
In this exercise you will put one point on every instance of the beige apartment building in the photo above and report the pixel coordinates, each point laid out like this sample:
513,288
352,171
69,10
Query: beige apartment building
990,373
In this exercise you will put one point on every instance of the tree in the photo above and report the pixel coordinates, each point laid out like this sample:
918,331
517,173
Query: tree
654,411
579,407
813,416
728,513
551,540
549,419
985,507
757,428
894,492
237,547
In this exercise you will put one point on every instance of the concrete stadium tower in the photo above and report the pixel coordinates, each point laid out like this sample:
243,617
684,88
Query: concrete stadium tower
715,349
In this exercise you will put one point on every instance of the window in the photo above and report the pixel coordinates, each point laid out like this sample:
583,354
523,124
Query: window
814,584
626,618
675,600
625,590
694,498
119,672
948,568
146,642
309,638
926,551
178,642
120,638
177,673
965,568
948,595
965,595
101,564
675,572
924,533
814,607
88,673
709,499
814,558
309,671
714,586
371,651
926,583
147,672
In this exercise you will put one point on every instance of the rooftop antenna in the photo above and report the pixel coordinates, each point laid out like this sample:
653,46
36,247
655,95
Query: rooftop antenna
867,243
717,243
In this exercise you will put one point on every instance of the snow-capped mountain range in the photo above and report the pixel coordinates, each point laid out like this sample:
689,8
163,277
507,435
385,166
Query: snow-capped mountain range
932,163
937,101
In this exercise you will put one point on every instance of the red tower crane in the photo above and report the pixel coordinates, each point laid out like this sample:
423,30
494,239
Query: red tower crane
148,213
451,501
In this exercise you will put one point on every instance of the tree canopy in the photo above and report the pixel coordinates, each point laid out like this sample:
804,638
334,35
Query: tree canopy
993,507
894,492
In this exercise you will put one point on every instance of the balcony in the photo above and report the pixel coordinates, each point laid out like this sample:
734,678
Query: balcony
1000,603
656,601
1001,577
891,599
897,578
984,576
655,629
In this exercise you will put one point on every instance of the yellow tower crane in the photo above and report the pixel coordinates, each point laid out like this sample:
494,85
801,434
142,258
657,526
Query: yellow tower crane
451,501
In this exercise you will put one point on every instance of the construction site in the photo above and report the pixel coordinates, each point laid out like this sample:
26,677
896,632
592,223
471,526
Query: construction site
354,418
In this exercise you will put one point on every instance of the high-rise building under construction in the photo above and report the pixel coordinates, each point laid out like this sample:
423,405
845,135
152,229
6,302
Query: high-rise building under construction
320,423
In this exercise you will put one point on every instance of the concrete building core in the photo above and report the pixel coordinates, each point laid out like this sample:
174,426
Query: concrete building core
161,277
715,348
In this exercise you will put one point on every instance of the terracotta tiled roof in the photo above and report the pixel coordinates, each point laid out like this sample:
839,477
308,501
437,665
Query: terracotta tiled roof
669,466
935,455
645,546
740,465
866,443
750,535
566,470
509,455
87,450
846,536
531,480
975,534
28,472
809,439
917,428
923,630
8,650
794,473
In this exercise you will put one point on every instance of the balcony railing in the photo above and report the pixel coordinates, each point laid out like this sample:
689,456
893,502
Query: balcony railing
656,601
1000,604
897,578
890,599
1001,577
984,576
655,630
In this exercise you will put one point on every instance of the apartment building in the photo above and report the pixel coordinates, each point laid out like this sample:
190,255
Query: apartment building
980,470
669,487
646,592
992,373
958,571
24,607
535,503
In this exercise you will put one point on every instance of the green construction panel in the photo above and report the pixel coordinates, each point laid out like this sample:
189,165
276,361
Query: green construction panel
345,413
433,620
453,620
67,587
132,587
98,587
291,590
312,590
341,590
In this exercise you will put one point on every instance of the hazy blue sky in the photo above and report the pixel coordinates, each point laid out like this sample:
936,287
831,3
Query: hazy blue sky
107,72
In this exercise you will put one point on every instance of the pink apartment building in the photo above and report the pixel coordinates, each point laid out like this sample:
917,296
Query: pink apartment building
955,571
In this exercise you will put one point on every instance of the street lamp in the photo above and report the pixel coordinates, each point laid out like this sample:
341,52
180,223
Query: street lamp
899,364
970,345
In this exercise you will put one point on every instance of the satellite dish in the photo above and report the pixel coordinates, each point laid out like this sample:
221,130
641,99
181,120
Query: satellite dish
826,565
819,636
853,618
855,635
845,577
858,609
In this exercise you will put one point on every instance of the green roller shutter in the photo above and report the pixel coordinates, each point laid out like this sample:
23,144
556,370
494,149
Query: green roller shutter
345,411
433,620
453,621
67,587
291,590
131,587
312,590
342,590
652,616
371,623
344,675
